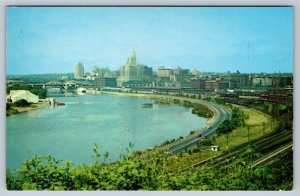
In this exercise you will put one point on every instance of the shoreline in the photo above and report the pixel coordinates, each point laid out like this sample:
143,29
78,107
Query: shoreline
32,107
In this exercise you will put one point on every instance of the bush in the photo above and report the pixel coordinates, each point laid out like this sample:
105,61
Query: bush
207,142
153,173
21,103
8,106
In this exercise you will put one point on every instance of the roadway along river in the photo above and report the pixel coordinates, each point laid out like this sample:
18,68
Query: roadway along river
69,132
208,131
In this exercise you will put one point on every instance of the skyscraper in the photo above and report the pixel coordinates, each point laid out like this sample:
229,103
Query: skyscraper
132,71
78,71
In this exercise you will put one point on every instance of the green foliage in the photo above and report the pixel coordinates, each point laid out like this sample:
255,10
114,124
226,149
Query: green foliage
224,128
21,103
42,93
206,142
220,101
151,173
202,110
10,110
238,118
8,106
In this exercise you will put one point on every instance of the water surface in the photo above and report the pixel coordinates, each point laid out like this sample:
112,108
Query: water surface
69,132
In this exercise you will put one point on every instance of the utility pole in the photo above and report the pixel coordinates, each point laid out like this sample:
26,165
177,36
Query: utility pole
264,126
248,127
227,138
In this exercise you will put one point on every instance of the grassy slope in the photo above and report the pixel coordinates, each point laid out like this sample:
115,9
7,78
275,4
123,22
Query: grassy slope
235,138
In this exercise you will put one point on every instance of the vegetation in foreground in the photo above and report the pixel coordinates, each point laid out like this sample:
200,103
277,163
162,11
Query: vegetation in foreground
151,173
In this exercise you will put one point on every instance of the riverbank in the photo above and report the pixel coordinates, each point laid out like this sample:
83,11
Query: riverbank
17,110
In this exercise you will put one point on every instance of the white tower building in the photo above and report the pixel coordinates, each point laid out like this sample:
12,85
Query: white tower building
78,71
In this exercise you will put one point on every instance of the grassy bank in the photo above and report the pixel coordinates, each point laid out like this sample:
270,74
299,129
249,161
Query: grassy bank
259,124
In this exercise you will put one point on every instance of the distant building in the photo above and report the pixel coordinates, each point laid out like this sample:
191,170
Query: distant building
164,72
223,85
211,85
16,95
105,82
78,71
65,78
196,73
132,71
198,84
96,72
233,84
183,84
243,80
282,81
262,81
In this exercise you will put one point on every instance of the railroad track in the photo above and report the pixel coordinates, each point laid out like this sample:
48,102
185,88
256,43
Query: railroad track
262,145
274,155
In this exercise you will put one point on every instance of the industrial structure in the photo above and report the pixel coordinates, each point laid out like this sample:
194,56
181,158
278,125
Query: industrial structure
16,95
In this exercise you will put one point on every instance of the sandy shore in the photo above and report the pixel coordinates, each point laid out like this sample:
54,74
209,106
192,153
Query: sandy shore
33,106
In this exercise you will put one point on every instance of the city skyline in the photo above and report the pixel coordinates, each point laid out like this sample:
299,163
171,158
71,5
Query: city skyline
209,39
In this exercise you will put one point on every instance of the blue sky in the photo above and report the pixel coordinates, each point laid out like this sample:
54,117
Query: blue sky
218,39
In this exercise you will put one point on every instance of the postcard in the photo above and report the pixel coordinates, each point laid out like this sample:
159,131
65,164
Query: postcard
149,98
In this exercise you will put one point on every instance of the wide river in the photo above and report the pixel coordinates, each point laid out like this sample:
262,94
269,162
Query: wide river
69,132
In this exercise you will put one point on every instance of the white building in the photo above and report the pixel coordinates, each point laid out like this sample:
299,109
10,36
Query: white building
133,71
78,71
16,95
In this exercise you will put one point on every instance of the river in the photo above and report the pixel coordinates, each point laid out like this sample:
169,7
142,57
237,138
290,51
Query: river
69,132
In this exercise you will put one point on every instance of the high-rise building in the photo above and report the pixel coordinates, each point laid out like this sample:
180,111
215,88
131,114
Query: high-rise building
78,71
132,71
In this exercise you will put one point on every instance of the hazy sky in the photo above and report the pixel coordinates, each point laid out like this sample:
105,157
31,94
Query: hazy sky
53,39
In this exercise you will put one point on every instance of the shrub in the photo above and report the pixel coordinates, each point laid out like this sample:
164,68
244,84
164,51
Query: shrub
21,103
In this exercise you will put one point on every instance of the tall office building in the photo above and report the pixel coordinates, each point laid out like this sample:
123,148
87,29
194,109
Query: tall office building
78,71
132,71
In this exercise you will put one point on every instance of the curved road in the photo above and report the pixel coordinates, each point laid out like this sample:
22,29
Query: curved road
208,131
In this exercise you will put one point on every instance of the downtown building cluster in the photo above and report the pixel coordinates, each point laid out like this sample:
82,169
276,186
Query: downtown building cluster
135,75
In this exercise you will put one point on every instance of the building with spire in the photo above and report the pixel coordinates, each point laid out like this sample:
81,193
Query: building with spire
132,71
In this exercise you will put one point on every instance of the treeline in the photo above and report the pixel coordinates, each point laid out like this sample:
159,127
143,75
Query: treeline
152,173
238,118
42,93
199,109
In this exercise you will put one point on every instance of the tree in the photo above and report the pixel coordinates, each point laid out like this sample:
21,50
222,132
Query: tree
225,127
21,103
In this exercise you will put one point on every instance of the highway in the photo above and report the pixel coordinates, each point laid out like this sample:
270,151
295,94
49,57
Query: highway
209,130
